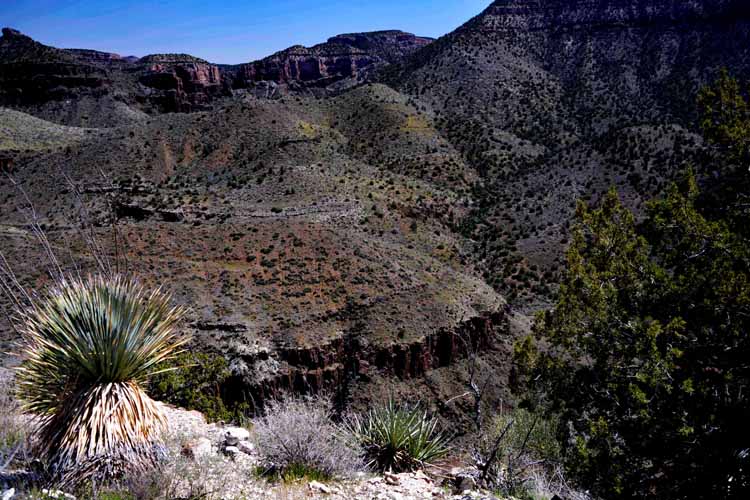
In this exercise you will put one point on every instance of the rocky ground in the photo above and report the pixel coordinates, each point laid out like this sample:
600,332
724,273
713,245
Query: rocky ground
224,458
214,461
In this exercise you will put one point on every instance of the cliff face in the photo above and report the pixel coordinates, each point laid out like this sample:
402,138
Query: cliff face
35,75
97,57
533,15
182,83
343,56
333,366
38,78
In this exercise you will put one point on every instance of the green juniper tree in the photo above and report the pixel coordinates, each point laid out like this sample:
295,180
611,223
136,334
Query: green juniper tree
646,355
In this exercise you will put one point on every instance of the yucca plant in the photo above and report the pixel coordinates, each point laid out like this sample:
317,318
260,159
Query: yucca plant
89,346
399,438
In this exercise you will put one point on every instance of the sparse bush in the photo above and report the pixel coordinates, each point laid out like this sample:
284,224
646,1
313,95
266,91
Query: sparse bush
399,438
193,380
519,454
89,346
176,476
536,435
297,437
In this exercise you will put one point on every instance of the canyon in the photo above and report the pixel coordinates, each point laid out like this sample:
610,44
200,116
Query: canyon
377,213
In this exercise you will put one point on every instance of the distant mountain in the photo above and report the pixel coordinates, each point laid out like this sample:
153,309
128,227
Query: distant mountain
84,87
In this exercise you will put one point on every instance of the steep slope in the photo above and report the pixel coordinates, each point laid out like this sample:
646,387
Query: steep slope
557,100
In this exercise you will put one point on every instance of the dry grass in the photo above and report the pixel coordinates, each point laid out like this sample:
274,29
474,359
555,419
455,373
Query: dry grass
297,438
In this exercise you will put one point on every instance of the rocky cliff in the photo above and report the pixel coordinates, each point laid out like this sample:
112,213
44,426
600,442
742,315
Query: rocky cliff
97,57
112,88
39,79
31,72
183,83
342,56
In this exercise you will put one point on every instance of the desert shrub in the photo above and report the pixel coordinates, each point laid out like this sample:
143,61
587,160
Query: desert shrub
519,454
530,431
297,437
89,346
193,380
398,438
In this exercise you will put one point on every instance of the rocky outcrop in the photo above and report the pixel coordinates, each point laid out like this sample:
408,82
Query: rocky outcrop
88,56
33,74
180,83
389,46
330,366
343,56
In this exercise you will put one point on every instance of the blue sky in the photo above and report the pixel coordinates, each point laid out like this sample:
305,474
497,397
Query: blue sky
231,31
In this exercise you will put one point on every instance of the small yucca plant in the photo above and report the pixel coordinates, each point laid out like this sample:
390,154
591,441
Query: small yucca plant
399,438
89,346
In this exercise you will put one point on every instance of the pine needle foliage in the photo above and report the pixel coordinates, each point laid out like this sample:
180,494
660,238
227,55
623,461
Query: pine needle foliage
89,347
399,438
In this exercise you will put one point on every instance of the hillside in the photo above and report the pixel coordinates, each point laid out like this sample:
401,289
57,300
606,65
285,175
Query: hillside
555,101
285,235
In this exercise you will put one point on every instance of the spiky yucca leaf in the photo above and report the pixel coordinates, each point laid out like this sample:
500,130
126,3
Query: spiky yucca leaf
399,438
89,344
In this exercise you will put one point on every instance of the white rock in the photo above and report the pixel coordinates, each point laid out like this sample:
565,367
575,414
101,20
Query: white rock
246,447
234,435
57,494
198,448
422,476
8,494
391,478
231,451
316,486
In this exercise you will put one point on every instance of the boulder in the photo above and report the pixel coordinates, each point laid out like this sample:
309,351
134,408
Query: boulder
197,448
246,447
234,435
320,487
231,451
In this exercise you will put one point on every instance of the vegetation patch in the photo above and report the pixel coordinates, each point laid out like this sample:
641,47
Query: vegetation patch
194,381
297,439
399,438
